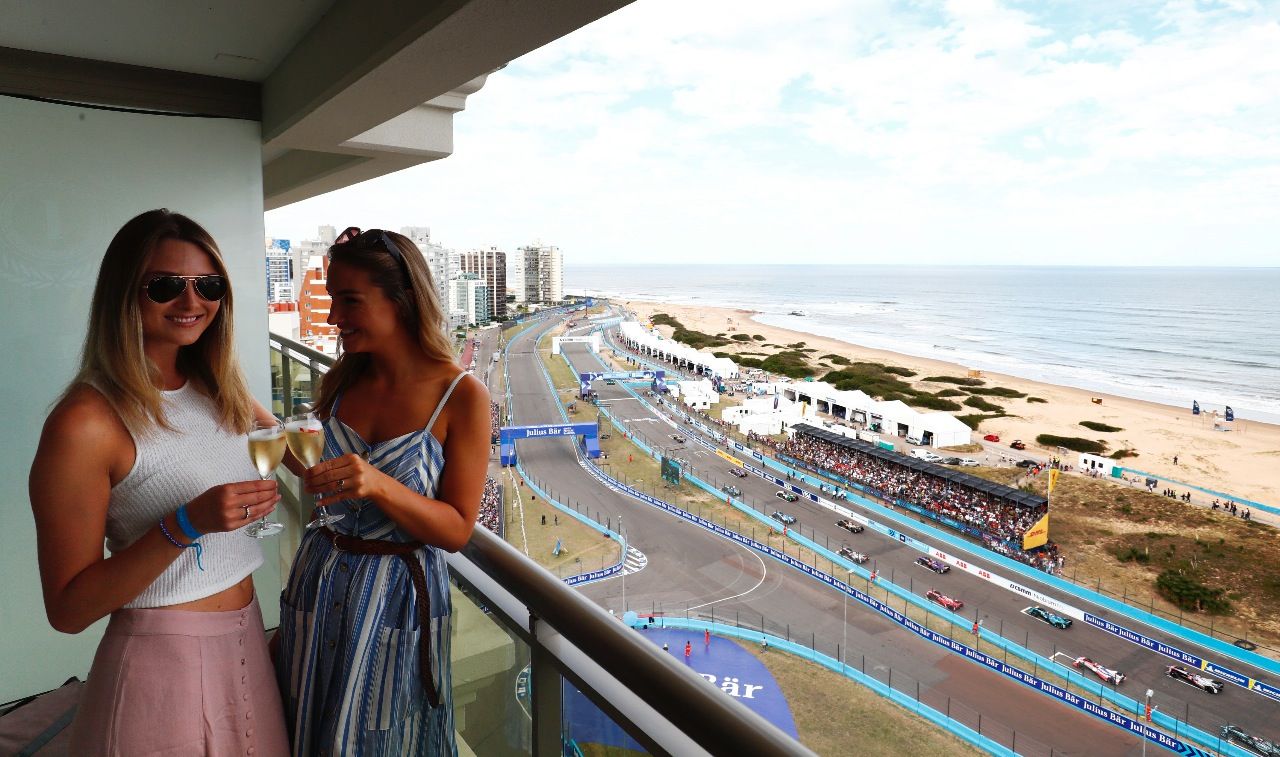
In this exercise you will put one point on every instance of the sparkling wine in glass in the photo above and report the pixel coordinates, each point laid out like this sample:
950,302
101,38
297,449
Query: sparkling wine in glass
305,435
266,450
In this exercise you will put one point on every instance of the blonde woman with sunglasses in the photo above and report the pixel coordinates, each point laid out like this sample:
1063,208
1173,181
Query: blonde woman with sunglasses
146,451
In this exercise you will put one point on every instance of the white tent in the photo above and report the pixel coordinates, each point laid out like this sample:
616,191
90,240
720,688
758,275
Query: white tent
895,417
684,356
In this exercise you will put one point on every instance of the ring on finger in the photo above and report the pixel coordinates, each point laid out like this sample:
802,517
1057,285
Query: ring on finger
341,481
246,512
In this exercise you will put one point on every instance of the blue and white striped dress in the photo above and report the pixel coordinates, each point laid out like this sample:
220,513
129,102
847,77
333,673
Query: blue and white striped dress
348,656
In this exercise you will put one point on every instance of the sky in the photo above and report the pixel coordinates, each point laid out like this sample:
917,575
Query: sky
1056,132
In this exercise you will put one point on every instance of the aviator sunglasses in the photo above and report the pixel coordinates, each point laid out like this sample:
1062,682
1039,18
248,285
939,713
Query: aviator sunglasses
373,239
168,288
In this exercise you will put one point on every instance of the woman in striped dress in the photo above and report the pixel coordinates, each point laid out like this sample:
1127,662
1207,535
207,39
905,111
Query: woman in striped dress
363,659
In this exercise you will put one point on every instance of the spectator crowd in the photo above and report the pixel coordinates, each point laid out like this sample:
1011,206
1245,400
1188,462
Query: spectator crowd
999,524
491,506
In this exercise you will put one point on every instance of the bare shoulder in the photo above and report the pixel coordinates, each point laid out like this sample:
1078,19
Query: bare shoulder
471,390
85,425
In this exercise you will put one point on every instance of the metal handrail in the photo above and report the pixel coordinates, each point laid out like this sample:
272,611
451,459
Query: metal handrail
662,702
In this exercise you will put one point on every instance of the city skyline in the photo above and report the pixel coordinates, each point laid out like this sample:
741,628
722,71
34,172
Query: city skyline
964,132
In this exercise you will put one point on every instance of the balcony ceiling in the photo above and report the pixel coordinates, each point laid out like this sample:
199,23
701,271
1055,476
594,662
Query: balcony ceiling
345,90
236,39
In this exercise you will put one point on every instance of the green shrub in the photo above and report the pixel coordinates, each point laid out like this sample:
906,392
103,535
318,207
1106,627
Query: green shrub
973,421
1132,554
757,337
1072,443
1184,589
791,364
955,380
740,338
1121,454
837,359
997,391
981,404
949,393
933,403
662,319
1040,400
1103,427
898,370
796,346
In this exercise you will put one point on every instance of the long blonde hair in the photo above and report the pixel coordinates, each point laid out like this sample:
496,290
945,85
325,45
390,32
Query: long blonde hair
415,300
114,361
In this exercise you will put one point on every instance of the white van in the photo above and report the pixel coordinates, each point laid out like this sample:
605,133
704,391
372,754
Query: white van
913,440
922,454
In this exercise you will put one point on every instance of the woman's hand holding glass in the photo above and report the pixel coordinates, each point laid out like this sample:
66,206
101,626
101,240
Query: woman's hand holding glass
347,477
228,507
266,450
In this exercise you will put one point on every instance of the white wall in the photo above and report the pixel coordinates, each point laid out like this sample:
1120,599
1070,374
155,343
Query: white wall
70,178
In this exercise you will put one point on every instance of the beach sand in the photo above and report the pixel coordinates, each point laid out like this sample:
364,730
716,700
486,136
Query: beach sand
1244,462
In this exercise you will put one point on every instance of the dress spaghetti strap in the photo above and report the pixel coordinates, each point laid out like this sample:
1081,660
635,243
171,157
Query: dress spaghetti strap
431,423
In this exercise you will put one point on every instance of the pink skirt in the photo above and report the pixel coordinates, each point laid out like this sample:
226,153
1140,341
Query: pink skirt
177,682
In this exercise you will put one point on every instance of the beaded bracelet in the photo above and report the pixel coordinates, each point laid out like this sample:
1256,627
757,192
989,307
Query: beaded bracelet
184,523
199,547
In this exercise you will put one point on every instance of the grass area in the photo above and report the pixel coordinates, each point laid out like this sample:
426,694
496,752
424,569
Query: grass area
1103,427
885,382
866,719
997,391
1100,525
695,339
837,359
1074,443
958,380
949,393
582,547
974,447
980,404
791,363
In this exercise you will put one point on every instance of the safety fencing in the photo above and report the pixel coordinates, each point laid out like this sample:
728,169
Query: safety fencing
1180,728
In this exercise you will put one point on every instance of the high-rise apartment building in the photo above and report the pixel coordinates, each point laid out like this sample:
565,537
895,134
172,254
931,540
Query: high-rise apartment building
280,270
491,266
437,260
469,299
313,307
537,274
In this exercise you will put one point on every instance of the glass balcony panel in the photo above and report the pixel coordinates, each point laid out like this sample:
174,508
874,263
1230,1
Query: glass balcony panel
589,731
491,678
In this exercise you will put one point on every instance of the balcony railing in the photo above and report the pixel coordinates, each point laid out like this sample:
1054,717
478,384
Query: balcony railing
538,668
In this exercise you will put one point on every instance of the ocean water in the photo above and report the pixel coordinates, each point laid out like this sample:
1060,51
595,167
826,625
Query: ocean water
1169,335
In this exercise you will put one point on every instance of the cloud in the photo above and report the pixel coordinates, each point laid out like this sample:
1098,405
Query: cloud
931,132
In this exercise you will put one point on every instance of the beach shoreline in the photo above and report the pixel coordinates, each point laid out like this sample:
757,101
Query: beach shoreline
1241,462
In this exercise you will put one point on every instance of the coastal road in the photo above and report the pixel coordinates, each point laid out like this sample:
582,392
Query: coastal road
1000,610
690,568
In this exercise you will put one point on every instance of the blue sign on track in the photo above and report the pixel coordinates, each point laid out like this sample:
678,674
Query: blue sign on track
509,435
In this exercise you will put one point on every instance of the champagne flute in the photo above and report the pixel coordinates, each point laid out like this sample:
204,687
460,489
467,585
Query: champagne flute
305,435
266,450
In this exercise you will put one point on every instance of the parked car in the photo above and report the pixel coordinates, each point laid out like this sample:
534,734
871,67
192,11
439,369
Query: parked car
931,457
851,526
788,496
950,461
914,440
1236,735
968,462
933,595
1204,683
933,565
1026,463
731,490
991,438
1106,674
1017,444
740,473
782,517
1041,614
849,554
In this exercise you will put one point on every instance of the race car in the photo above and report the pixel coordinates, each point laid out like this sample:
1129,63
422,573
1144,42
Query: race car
788,496
1039,613
1204,683
782,517
1106,674
933,565
852,527
731,490
848,554
740,473
1017,444
1236,735
934,595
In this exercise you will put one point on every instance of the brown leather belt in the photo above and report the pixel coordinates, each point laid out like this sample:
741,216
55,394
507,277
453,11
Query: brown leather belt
405,551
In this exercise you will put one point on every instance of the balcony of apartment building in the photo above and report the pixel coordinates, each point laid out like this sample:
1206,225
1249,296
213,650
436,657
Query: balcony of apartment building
221,111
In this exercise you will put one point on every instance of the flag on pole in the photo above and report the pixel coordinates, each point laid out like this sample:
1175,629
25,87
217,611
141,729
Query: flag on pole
1053,479
1195,407
1231,415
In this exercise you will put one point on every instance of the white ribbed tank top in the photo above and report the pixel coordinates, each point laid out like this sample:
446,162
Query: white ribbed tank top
173,467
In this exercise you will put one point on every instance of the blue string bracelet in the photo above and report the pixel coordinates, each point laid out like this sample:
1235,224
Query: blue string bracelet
199,547
184,523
